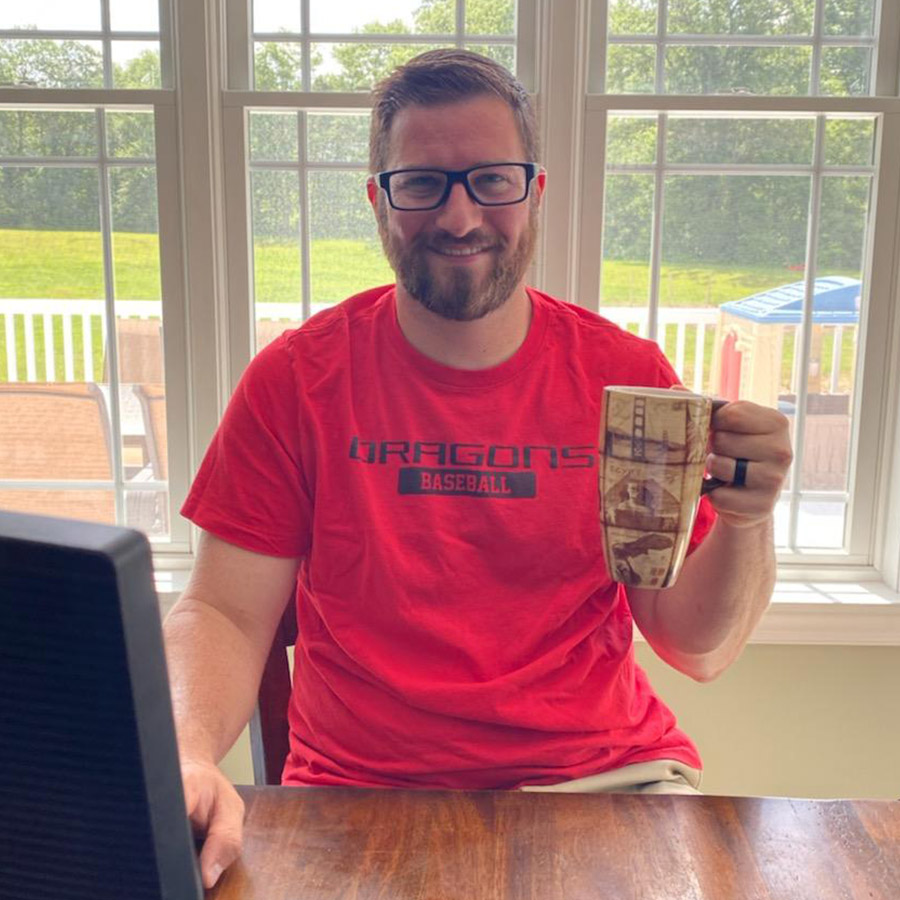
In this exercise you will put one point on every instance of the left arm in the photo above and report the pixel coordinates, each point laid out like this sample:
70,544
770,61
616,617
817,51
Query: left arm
701,624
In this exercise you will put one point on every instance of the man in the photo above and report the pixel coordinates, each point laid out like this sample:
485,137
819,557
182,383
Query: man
419,464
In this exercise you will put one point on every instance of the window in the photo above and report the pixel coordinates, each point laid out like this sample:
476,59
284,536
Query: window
81,340
721,179
739,185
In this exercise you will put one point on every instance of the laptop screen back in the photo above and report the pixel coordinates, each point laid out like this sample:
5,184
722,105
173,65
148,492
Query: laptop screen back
91,801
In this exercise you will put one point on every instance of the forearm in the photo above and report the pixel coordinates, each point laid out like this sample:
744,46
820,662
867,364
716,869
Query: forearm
701,624
214,673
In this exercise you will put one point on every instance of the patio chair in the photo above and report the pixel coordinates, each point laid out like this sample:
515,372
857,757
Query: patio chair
152,398
140,351
56,432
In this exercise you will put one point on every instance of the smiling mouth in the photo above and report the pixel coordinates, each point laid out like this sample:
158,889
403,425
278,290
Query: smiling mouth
459,251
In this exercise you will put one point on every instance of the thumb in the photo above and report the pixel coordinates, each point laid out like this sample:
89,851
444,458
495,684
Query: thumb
222,845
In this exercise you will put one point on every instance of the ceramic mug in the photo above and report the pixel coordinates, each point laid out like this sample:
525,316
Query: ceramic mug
654,447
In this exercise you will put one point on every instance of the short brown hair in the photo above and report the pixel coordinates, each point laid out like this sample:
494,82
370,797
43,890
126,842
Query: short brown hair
446,76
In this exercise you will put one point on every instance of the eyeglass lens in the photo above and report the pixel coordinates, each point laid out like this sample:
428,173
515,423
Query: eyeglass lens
491,185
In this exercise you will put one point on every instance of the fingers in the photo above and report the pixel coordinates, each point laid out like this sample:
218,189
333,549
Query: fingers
216,813
760,435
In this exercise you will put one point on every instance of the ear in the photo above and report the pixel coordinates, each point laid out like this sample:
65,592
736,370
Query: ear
372,192
540,182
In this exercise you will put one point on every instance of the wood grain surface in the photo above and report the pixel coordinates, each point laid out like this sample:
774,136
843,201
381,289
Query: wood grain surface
318,843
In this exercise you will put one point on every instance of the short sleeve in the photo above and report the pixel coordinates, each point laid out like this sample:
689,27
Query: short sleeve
250,489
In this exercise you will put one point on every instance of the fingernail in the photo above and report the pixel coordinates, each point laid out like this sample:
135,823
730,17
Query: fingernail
215,872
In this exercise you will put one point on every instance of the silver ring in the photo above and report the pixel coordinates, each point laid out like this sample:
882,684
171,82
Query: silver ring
740,472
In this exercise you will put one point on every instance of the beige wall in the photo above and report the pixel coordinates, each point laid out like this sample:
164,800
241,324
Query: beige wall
793,721
783,721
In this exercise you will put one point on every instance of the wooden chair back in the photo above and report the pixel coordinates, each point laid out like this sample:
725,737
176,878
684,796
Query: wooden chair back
140,350
269,745
152,398
57,432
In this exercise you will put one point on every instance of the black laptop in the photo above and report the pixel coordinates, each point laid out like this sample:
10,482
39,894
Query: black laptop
91,801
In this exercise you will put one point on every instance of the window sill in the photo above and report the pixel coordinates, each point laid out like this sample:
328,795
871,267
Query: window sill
802,612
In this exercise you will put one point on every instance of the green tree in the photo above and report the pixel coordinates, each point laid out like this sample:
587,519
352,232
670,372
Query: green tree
50,64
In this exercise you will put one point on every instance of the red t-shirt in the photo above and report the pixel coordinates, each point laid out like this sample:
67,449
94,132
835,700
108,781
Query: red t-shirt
458,628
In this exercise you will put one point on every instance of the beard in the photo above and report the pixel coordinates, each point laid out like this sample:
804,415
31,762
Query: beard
459,294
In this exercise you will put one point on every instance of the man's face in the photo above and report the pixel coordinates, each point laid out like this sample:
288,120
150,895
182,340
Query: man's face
460,260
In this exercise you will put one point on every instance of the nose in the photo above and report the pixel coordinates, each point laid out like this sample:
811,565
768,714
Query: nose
460,214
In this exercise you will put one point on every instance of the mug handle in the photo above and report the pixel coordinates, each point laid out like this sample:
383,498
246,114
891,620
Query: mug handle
710,484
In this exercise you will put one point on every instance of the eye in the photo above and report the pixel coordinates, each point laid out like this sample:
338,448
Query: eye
418,183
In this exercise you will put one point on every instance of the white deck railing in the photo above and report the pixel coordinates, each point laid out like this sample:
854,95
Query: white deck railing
690,350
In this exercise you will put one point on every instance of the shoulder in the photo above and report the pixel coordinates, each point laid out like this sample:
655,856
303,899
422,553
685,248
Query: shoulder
600,343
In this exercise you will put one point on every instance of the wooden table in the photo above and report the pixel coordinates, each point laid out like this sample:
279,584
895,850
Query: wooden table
318,843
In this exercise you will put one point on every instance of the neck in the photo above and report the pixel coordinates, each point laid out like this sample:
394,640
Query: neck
477,344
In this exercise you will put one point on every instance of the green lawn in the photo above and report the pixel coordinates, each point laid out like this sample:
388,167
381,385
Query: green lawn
68,265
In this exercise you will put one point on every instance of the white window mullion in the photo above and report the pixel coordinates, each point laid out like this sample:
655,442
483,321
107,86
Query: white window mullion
805,331
175,330
110,343
656,231
816,60
305,248
107,45
874,511
886,60
239,42
306,61
239,252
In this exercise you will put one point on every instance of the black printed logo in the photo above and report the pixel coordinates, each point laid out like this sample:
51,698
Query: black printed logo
467,483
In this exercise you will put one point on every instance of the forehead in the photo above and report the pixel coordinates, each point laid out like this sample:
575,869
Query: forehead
455,135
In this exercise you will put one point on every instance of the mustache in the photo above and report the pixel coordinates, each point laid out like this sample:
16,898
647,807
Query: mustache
444,241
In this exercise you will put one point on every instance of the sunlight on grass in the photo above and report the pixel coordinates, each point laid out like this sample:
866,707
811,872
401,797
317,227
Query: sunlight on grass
68,265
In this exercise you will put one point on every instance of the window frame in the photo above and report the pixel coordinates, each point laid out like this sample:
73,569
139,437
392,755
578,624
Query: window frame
206,252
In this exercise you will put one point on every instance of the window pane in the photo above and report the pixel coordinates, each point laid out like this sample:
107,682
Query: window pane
130,135
48,63
849,142
133,205
630,69
49,249
338,138
632,16
270,16
756,70
277,66
356,67
387,17
39,133
346,254
821,524
740,140
763,17
273,136
498,17
630,140
628,218
136,65
830,377
277,251
51,15
845,71
856,17
726,238
134,15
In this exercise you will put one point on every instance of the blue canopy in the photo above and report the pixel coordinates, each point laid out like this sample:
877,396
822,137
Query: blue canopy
835,302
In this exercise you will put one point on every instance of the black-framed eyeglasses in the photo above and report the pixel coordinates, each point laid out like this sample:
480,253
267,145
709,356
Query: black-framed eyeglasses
499,184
